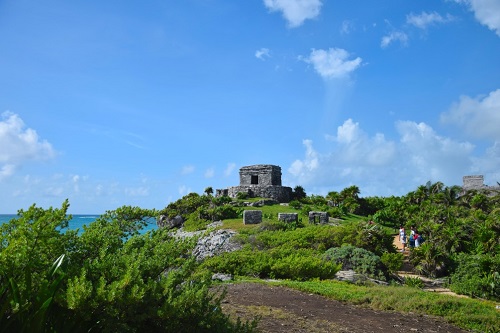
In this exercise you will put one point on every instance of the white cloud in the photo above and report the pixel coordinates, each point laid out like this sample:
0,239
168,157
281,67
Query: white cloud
332,63
487,12
393,37
187,169
479,117
424,19
295,11
184,190
209,173
7,170
229,169
380,166
141,191
19,144
263,54
346,27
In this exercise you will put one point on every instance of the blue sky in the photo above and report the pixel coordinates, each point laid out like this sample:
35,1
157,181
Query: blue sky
111,103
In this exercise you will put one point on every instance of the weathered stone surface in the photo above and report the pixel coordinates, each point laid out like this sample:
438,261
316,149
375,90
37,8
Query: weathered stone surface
260,174
217,242
278,193
261,203
318,217
252,216
164,221
261,180
288,217
222,277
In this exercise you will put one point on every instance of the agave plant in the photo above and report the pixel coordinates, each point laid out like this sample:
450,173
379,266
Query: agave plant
24,309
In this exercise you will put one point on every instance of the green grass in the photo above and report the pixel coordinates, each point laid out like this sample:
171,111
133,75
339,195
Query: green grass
270,214
471,314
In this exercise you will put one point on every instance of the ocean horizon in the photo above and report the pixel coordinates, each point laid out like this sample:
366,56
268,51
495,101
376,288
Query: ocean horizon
79,220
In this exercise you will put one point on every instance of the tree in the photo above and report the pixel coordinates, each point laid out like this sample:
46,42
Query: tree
299,193
209,191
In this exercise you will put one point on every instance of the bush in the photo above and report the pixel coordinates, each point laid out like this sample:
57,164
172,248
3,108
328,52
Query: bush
114,279
357,259
414,282
393,261
364,235
477,275
242,195
277,263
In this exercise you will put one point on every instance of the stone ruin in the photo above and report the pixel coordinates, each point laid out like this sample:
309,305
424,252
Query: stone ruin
288,217
252,216
261,180
318,217
476,182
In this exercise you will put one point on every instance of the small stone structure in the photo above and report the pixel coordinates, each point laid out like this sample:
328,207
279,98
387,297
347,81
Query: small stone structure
252,216
261,180
476,182
318,217
288,217
473,182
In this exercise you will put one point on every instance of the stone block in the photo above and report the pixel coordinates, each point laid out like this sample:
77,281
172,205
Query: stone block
318,217
288,217
252,216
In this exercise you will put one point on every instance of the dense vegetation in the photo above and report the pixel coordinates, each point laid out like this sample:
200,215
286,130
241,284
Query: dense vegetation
111,277
108,278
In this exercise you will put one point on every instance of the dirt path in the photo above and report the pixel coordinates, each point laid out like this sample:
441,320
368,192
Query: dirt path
291,311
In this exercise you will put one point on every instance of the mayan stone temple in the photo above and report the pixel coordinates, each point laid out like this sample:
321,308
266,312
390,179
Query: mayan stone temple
261,180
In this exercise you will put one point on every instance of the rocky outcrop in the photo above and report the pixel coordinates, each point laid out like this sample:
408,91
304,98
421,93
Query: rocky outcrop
215,243
164,221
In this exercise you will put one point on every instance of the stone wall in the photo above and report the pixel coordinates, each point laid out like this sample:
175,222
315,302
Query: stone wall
288,217
473,182
318,217
278,193
260,174
260,180
476,182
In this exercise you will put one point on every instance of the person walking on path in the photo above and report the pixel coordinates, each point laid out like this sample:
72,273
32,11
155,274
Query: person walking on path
402,237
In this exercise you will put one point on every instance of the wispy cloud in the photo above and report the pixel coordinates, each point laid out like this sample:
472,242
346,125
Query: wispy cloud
209,173
425,20
394,36
332,63
263,54
347,27
295,12
187,169
229,169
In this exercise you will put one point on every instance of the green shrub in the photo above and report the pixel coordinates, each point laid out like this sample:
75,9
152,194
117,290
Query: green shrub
393,261
242,195
357,259
295,204
477,275
276,263
370,237
414,282
298,266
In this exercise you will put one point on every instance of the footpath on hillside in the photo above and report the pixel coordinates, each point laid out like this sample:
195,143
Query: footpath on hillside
407,270
285,310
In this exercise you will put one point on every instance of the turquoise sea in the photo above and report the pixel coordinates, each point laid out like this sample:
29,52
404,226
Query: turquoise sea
78,221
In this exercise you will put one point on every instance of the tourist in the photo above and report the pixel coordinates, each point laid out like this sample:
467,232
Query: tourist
416,238
402,237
